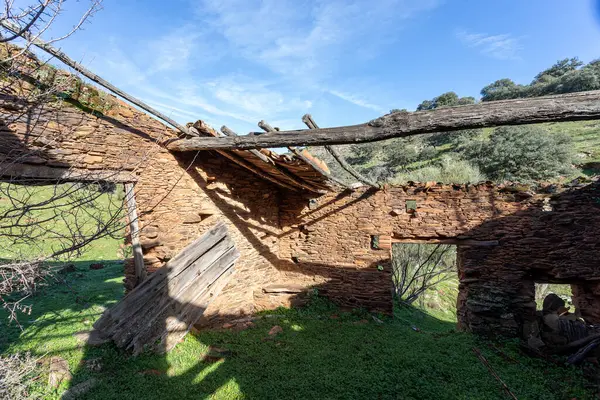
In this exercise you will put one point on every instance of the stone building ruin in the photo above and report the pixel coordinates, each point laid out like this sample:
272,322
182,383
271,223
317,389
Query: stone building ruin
298,230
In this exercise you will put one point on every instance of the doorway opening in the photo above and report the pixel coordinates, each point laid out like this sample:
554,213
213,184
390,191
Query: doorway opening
425,275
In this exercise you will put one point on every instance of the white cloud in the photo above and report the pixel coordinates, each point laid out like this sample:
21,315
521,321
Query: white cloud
502,47
181,50
240,61
307,40
356,100
254,96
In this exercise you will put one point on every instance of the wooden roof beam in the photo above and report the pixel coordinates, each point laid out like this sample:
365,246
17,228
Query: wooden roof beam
297,181
564,107
246,164
298,153
311,124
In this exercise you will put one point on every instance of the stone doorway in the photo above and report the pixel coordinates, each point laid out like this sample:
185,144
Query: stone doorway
425,275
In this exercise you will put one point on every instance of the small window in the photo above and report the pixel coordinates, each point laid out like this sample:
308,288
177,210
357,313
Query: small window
411,206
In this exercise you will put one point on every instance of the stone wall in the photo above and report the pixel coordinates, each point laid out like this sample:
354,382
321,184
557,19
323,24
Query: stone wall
541,237
179,196
292,242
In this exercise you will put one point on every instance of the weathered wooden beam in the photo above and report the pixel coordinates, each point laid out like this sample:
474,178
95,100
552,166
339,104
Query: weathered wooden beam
563,107
250,167
298,153
158,281
161,310
228,132
15,172
457,242
311,124
134,232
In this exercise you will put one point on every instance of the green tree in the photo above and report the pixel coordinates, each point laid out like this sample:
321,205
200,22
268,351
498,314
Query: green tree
501,89
521,153
565,76
559,69
448,99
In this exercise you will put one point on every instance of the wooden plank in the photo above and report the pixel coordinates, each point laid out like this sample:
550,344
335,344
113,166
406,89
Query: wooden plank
137,298
563,107
130,322
243,163
181,307
458,242
16,171
193,311
288,175
134,232
175,302
298,153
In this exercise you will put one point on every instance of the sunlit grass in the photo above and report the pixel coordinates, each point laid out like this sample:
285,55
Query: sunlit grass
323,352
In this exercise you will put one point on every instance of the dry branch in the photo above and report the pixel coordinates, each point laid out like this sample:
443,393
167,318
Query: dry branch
564,107
485,362
90,75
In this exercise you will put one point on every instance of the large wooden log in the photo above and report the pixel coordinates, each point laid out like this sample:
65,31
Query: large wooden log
564,107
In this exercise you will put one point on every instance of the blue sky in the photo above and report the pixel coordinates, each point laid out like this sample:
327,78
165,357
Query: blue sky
236,62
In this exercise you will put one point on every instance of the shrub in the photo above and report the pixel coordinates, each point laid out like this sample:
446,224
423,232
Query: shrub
447,170
521,153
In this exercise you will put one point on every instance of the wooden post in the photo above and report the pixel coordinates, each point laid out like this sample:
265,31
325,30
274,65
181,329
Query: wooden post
134,231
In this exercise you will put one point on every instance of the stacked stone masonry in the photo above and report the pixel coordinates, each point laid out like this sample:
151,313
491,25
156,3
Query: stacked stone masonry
292,244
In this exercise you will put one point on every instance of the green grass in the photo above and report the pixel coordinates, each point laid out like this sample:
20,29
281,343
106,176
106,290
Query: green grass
323,353
52,220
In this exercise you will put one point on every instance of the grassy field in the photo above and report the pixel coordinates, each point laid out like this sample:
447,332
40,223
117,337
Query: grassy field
322,353
49,221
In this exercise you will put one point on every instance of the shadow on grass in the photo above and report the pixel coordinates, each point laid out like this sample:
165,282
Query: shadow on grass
65,302
322,352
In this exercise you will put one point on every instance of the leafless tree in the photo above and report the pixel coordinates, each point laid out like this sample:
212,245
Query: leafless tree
419,267
42,221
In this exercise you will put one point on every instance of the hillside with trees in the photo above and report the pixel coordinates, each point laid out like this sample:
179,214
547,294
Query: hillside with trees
553,152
